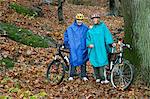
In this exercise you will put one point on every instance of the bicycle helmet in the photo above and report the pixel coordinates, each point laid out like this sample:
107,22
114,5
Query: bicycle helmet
79,16
95,16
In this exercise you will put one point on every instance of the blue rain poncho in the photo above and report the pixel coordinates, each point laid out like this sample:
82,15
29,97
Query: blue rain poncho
75,40
100,37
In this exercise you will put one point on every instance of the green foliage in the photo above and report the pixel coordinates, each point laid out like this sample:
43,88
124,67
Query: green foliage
5,97
28,95
13,89
42,94
25,36
23,10
5,80
33,97
7,62
2,1
22,94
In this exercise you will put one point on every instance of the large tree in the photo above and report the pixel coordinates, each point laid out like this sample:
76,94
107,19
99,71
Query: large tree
137,28
115,7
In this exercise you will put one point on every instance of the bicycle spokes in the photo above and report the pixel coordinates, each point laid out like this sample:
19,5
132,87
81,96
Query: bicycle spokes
55,72
122,75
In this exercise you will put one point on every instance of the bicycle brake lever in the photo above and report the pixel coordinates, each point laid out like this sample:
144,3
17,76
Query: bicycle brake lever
128,46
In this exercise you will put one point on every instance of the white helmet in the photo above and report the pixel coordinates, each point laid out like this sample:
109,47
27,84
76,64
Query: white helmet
95,16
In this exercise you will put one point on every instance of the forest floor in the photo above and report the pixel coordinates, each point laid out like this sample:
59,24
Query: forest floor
27,78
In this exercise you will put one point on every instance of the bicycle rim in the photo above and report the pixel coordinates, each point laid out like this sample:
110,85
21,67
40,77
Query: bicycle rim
55,72
122,75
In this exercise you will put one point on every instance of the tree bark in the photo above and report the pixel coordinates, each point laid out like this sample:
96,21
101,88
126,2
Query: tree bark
137,32
60,11
115,7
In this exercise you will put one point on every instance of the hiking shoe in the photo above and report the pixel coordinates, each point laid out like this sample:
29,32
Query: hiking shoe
85,78
104,82
98,80
70,78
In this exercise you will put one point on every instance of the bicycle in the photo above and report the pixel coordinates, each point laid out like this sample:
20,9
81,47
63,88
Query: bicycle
121,70
59,66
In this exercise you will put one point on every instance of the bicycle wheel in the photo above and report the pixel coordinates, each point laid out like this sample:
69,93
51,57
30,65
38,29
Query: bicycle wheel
55,72
122,75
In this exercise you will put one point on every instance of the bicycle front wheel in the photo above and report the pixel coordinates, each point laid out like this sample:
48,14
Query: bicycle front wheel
55,72
122,75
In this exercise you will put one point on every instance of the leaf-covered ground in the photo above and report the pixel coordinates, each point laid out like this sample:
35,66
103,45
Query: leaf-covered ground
27,78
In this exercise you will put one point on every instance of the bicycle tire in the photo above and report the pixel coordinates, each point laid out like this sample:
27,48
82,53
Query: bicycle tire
55,72
125,75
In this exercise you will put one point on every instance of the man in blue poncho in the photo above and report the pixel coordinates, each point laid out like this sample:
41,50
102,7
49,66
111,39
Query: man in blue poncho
75,40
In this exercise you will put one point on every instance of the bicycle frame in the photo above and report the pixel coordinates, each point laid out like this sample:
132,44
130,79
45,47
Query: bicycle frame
119,58
59,53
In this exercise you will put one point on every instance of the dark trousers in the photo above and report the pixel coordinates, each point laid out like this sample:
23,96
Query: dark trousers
73,70
99,72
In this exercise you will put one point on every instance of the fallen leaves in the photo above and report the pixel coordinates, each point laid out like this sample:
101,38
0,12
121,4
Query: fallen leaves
27,78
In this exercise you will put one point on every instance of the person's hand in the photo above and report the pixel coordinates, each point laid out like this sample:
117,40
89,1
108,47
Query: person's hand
91,46
114,45
90,26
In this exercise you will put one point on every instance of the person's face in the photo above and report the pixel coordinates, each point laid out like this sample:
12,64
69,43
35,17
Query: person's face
95,20
79,22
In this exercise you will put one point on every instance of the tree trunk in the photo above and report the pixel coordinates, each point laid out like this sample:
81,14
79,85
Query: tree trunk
115,7
60,11
137,28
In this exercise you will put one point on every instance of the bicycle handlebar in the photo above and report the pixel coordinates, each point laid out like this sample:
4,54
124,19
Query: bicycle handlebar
128,46
61,47
121,47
